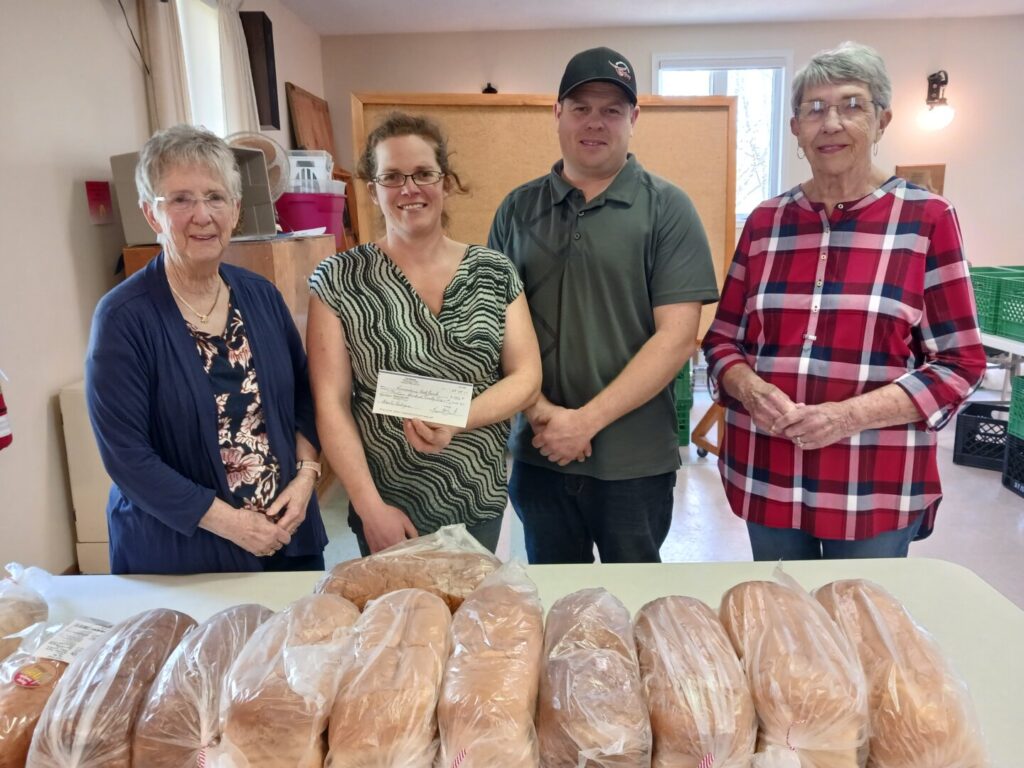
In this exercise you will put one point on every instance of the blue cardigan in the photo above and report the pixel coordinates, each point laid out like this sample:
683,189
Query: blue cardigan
155,419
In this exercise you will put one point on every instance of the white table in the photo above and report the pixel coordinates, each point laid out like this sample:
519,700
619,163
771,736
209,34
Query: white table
980,630
1016,352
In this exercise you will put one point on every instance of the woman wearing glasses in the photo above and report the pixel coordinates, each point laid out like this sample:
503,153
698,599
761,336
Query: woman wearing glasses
845,336
416,301
197,388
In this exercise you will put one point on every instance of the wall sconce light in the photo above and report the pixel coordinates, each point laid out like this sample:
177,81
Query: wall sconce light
939,114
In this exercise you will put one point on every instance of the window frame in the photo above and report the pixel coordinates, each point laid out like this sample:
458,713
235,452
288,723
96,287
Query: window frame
719,64
203,73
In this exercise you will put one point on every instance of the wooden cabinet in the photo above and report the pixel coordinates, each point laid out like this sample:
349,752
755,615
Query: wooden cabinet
286,262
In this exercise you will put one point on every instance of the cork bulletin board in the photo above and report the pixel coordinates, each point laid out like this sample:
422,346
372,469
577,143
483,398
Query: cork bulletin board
499,141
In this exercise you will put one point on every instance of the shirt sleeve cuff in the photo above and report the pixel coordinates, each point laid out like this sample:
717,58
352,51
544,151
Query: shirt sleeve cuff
934,415
715,374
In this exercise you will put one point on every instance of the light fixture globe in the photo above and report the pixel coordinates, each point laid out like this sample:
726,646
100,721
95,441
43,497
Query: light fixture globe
939,113
936,117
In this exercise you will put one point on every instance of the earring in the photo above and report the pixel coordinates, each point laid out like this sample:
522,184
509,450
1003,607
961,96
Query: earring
874,150
800,152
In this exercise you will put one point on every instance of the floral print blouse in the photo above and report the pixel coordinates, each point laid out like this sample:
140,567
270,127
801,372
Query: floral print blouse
252,470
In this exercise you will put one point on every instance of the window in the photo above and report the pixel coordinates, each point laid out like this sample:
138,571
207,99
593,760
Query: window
757,83
200,37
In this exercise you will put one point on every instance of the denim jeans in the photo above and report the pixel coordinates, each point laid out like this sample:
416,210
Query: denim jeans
793,544
564,515
486,532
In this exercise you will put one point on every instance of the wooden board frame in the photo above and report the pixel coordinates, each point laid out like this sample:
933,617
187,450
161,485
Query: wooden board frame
499,141
932,177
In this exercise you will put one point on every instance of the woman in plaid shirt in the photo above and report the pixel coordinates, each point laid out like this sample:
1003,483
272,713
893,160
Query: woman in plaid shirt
845,337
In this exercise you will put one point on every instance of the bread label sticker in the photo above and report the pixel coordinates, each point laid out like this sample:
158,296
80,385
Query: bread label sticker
33,676
439,401
73,638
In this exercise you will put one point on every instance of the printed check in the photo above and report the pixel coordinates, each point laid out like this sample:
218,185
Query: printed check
420,397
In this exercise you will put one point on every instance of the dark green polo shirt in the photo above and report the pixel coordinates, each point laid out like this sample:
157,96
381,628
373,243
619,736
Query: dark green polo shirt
594,271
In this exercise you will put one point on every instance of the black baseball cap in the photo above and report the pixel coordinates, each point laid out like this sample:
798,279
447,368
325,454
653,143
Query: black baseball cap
598,65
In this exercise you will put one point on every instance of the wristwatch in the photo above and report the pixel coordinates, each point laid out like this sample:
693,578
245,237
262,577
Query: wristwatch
306,464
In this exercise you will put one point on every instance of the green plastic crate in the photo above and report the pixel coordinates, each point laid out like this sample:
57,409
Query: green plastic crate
683,425
1016,425
1010,317
989,283
684,402
684,385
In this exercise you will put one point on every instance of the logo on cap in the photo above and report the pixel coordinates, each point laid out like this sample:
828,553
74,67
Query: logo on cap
621,69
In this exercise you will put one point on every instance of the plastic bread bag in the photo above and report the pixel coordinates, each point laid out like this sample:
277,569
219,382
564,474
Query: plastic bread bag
807,684
181,716
28,678
280,688
696,691
22,605
449,563
385,711
921,712
591,711
489,695
87,722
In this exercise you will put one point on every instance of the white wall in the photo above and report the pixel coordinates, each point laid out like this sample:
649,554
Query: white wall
296,57
72,95
981,148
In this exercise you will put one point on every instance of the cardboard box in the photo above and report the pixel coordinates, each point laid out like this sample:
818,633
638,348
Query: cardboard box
257,218
93,557
90,483
137,256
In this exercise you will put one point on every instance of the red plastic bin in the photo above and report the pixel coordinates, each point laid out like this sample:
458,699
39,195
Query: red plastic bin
309,210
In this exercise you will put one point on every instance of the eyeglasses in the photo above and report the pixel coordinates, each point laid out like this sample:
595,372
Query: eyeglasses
186,203
848,110
419,178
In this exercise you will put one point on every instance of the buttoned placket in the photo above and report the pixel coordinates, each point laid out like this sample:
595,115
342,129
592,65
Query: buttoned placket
578,205
810,336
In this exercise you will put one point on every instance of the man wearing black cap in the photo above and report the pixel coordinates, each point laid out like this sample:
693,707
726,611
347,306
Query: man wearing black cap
616,266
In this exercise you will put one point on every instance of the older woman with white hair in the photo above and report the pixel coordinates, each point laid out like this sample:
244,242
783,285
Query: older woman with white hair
197,388
845,337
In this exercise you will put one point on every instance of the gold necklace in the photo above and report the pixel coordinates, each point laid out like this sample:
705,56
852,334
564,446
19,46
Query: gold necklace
203,319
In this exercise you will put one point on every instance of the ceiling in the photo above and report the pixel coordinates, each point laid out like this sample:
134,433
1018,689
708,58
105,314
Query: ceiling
351,17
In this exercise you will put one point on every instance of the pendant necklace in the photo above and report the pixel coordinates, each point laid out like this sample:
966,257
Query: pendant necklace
203,319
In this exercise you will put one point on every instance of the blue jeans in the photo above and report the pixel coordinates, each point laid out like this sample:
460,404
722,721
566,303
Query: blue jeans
793,544
486,533
565,515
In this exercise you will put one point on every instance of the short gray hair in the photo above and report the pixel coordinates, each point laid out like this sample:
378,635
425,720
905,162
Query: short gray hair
849,62
182,145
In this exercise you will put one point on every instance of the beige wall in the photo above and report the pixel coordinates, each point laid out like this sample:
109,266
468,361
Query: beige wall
296,57
72,96
981,148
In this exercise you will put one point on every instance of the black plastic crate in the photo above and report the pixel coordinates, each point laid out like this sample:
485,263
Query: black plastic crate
981,432
1013,465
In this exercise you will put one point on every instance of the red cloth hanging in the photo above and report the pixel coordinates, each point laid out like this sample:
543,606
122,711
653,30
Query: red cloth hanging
6,438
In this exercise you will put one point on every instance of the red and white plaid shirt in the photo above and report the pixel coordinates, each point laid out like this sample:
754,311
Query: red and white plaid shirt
830,307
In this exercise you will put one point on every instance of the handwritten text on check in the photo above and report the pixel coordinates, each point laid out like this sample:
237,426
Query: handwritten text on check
420,397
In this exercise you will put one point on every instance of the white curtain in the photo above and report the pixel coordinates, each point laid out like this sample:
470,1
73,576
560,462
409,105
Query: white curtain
236,75
167,94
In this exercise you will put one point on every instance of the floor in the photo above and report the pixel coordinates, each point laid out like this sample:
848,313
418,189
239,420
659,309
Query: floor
980,524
